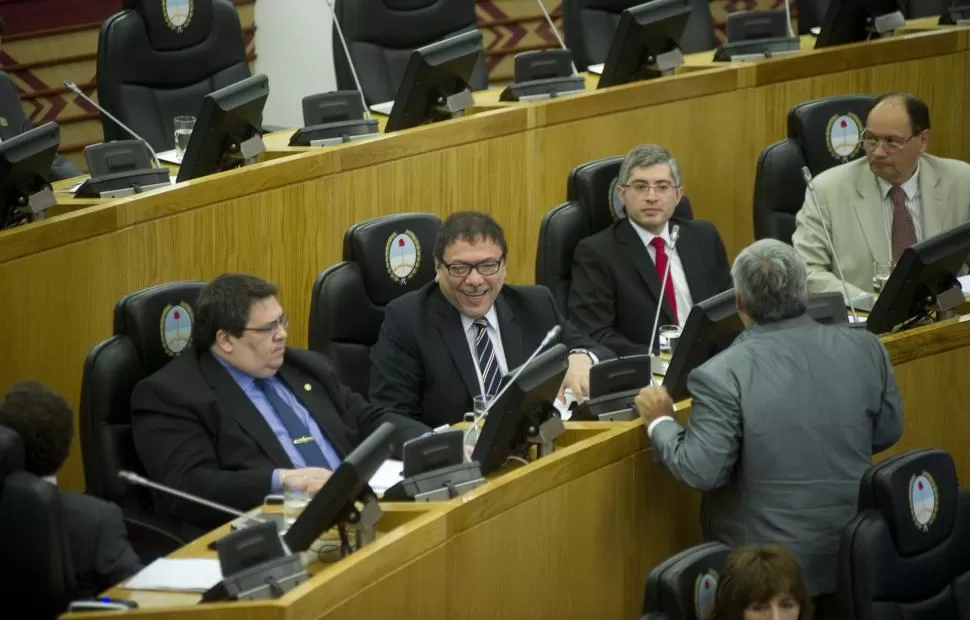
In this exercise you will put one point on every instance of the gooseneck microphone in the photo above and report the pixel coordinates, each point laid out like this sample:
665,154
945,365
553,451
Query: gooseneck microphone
350,61
555,32
807,175
144,482
674,235
77,91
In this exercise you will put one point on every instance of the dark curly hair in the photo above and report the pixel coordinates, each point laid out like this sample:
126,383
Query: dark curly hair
44,421
757,574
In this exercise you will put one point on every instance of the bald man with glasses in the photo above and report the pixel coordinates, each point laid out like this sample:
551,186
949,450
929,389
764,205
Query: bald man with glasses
876,207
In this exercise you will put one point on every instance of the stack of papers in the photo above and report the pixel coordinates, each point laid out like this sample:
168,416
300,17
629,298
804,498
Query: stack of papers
388,474
179,575
965,283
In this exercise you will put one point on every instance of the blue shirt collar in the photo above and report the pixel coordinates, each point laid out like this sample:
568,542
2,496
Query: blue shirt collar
242,379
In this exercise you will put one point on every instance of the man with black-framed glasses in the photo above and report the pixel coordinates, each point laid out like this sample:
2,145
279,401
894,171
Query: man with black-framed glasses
876,207
456,337
239,413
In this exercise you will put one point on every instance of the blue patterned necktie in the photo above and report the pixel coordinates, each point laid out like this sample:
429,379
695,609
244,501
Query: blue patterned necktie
487,361
299,433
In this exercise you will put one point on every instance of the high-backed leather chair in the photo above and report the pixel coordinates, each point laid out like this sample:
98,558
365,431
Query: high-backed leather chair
907,553
381,34
822,133
383,258
592,204
156,62
810,14
151,327
589,26
38,577
684,586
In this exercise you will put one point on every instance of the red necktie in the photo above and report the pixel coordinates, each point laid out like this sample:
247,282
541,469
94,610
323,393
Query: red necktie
661,261
903,230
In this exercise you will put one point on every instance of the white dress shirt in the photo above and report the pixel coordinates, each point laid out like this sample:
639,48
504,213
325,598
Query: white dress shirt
471,334
913,205
677,276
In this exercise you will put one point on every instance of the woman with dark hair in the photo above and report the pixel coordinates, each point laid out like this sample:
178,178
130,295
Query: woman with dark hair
762,583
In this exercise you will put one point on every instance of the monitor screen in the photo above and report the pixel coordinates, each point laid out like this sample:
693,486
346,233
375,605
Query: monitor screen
646,43
25,164
526,403
851,21
437,76
226,133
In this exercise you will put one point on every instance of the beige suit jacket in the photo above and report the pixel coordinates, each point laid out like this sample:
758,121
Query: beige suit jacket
849,198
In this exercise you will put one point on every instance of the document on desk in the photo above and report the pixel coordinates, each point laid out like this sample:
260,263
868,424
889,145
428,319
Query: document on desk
965,283
383,108
596,69
177,574
169,157
387,475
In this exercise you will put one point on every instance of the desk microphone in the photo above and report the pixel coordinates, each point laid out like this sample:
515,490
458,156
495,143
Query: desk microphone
555,33
77,91
807,175
791,33
144,482
350,61
674,235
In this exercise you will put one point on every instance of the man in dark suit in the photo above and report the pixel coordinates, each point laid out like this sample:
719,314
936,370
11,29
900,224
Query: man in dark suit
96,533
456,337
617,272
238,412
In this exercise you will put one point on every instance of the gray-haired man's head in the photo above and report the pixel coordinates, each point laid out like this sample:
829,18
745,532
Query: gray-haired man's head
769,282
650,188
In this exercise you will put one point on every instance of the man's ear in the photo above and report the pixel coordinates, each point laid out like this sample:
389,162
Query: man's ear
224,341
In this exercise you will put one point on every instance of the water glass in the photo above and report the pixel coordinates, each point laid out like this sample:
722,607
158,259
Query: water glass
183,131
296,496
667,338
880,274
477,418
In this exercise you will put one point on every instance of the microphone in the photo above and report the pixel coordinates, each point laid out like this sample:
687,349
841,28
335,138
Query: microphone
674,235
807,175
791,33
144,482
350,61
555,32
77,91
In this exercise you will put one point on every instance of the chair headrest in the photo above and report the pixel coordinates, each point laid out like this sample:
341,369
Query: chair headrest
158,320
393,253
11,451
684,587
917,494
174,24
594,186
830,129
405,24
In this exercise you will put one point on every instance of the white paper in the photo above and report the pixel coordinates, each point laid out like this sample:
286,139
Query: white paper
169,157
965,283
383,108
71,188
387,475
596,69
181,575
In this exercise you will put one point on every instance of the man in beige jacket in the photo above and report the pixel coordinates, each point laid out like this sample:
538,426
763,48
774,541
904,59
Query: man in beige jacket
876,207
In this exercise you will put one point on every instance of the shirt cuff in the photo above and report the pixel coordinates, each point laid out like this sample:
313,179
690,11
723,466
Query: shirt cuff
592,356
276,486
653,424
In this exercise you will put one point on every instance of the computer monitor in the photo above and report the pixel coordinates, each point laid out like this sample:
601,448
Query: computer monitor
923,281
437,82
851,21
646,43
25,164
226,133
335,500
526,404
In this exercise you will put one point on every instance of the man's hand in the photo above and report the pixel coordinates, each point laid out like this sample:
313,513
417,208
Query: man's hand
654,402
577,377
310,478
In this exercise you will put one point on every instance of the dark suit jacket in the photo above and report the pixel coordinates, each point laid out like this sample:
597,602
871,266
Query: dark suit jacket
615,286
99,543
422,367
17,123
197,431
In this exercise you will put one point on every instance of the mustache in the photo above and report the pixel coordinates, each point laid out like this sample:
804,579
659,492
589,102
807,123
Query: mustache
474,290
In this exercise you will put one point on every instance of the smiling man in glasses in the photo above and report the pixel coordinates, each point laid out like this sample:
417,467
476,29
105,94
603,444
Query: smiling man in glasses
239,413
876,207
456,337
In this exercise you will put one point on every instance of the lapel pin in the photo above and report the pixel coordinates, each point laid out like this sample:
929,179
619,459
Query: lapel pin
307,387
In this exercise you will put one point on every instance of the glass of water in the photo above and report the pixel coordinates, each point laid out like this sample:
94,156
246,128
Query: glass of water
880,274
667,337
183,131
296,496
477,419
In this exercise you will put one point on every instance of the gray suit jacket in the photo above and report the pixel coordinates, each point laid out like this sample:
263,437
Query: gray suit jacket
782,427
849,198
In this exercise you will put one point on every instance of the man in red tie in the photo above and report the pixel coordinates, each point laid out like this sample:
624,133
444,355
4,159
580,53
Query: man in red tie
618,272
878,206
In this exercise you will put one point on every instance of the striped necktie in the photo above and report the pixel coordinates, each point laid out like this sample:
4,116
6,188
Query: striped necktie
487,362
904,229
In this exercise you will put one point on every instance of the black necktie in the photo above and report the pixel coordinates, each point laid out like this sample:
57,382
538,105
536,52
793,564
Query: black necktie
299,433
487,361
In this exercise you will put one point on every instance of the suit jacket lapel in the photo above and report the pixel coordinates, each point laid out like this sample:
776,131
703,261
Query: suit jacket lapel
318,403
234,401
511,333
450,329
870,215
632,244
933,201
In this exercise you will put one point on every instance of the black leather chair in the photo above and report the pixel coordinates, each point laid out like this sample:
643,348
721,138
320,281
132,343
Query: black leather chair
822,133
810,14
151,326
38,577
684,586
926,8
591,205
907,553
589,26
381,34
153,66
383,258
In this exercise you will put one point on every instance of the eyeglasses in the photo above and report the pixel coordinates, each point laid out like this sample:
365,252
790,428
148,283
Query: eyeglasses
273,328
642,188
892,143
487,267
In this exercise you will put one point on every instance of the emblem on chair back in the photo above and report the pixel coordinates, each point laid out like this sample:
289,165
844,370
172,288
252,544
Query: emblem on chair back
617,210
178,13
402,256
843,136
922,500
176,328
705,591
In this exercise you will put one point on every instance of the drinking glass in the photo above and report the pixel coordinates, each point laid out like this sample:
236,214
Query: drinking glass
296,496
183,131
667,337
880,274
